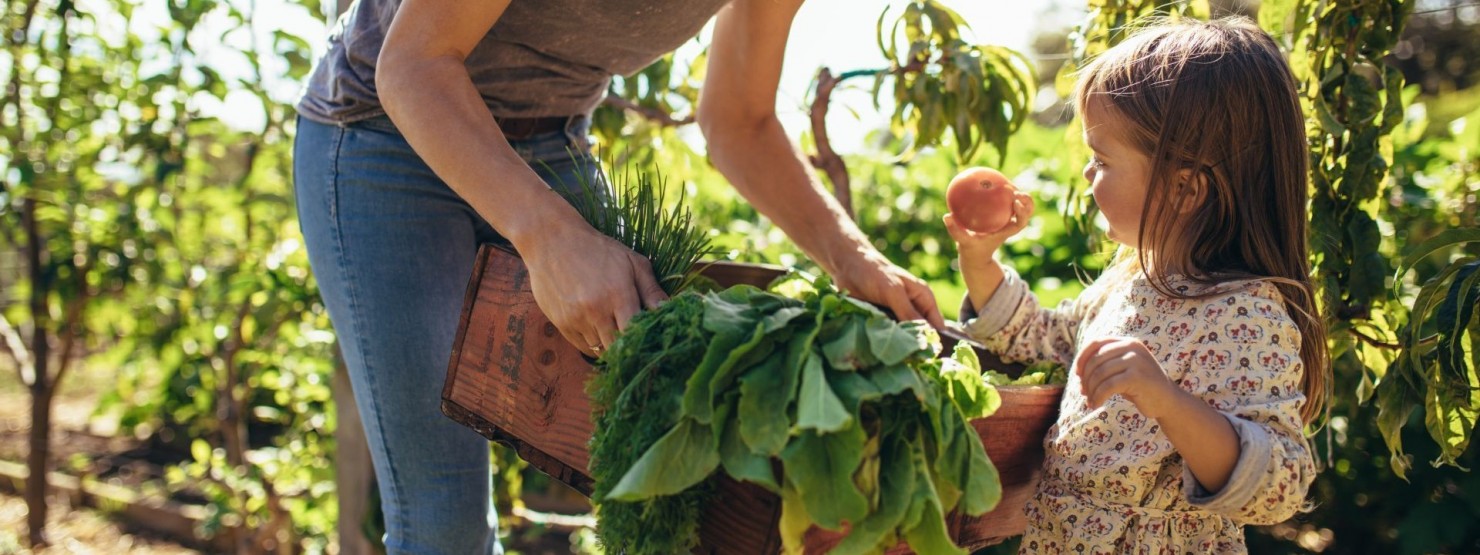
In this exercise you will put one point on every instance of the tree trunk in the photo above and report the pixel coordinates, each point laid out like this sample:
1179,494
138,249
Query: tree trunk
37,459
41,385
353,473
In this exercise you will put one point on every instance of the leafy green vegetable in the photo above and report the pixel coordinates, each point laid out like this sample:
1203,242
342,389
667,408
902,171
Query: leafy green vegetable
636,402
870,428
818,408
680,459
1042,373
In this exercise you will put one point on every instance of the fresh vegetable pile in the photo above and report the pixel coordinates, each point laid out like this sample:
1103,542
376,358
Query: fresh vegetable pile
870,427
1042,373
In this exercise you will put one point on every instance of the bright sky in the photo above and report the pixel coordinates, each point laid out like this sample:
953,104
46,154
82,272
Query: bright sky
838,34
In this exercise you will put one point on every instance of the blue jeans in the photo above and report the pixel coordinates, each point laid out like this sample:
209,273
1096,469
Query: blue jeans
392,247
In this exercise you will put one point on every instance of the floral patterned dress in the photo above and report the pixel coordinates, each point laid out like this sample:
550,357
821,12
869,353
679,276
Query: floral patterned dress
1112,481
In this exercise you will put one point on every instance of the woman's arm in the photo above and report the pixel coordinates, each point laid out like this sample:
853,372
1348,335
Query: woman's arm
427,92
737,114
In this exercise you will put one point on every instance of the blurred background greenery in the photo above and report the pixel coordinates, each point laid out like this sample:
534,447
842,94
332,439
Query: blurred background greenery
150,249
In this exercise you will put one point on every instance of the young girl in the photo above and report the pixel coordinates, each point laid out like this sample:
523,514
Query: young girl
1198,357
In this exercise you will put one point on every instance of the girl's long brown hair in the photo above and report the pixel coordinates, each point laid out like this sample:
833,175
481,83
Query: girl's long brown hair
1216,103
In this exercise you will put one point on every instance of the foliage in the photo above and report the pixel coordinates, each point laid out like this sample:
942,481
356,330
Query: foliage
634,404
1356,100
146,204
869,427
982,93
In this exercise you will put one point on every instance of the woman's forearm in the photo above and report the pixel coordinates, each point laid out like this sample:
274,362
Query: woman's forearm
435,106
768,170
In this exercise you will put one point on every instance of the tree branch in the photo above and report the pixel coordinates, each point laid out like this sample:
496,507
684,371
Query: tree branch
827,159
14,343
72,327
651,114
1374,341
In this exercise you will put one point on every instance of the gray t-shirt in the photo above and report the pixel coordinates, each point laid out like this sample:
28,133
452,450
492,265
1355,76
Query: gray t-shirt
542,58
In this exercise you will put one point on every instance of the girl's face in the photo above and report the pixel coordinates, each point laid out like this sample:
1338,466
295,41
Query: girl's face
1119,175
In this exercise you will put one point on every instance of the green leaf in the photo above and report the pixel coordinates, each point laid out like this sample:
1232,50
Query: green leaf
698,403
982,489
683,457
1450,421
892,343
794,521
1394,404
897,477
1453,317
818,408
740,463
1428,297
729,311
848,347
777,320
820,467
969,392
200,451
893,380
965,355
1444,239
852,389
766,391
1328,121
925,523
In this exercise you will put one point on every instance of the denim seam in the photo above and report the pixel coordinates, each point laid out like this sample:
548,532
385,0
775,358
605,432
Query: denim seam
355,314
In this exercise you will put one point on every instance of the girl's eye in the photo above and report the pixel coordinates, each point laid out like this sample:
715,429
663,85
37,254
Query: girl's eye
1096,162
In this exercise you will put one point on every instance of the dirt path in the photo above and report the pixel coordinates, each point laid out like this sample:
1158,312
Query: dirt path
76,531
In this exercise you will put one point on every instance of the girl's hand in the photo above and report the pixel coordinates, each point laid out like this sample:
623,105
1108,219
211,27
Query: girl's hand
977,245
1124,366
980,272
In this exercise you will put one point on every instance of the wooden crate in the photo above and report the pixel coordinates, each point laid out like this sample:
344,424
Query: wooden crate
514,379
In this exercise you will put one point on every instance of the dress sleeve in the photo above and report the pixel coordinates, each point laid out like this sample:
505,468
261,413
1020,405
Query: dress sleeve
1013,325
1246,364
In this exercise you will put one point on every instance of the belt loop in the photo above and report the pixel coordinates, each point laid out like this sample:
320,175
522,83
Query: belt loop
578,132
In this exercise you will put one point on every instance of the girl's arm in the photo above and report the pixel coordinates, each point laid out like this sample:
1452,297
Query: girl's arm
999,309
1258,390
1234,417
1012,324
737,114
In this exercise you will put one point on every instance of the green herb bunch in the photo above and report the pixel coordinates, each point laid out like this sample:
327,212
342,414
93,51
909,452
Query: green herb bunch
636,397
634,211
871,429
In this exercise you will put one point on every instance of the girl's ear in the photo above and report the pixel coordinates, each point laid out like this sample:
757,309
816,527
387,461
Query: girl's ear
1190,192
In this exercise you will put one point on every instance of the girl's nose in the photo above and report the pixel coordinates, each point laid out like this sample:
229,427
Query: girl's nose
1089,171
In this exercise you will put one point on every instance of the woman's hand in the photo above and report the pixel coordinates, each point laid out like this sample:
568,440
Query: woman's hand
873,278
1124,366
589,285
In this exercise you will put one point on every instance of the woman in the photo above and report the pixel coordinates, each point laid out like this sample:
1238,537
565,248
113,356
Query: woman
420,133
